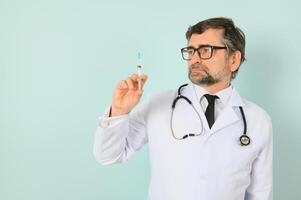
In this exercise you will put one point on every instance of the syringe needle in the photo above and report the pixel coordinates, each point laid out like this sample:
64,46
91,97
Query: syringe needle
139,70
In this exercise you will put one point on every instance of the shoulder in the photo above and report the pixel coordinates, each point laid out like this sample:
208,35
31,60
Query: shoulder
256,111
166,94
158,100
259,122
162,98
154,103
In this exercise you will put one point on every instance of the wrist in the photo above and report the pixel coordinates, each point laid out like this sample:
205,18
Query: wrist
116,112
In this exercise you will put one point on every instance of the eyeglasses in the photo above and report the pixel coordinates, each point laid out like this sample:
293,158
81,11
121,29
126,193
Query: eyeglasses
204,51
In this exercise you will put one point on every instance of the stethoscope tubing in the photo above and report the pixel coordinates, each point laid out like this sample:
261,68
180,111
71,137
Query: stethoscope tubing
244,140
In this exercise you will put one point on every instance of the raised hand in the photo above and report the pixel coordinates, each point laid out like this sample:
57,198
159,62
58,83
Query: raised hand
127,94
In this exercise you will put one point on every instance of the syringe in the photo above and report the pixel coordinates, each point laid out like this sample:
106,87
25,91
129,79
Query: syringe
139,70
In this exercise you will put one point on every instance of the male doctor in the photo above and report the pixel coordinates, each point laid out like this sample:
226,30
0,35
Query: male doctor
197,151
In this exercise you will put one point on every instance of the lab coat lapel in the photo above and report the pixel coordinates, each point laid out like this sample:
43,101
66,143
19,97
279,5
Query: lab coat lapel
191,94
228,115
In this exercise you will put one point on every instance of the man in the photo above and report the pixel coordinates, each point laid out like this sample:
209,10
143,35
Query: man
211,144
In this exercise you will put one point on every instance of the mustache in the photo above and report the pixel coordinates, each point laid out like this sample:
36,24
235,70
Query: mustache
198,66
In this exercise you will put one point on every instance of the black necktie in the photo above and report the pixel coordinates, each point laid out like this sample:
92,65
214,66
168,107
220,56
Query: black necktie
210,108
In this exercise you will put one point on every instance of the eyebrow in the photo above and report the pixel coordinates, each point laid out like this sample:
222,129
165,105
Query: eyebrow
202,45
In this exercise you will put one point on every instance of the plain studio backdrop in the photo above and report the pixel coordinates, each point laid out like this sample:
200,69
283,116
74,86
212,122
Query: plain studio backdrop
60,61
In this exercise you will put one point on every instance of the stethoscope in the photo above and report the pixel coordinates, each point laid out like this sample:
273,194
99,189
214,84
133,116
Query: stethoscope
244,140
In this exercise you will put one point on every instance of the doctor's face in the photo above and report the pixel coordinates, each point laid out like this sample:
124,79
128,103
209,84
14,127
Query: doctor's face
209,71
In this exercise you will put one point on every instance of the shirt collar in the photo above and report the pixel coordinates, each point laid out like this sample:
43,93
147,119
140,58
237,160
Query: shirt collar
224,95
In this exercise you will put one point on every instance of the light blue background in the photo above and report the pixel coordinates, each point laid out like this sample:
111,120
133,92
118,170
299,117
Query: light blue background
61,59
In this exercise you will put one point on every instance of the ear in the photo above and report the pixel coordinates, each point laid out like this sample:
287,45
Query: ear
234,60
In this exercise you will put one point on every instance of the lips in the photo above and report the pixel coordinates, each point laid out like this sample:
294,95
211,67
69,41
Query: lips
197,70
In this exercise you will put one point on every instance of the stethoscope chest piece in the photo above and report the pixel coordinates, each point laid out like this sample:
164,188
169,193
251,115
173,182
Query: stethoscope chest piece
244,140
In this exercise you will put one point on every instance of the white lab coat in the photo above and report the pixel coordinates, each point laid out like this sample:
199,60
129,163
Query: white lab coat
212,166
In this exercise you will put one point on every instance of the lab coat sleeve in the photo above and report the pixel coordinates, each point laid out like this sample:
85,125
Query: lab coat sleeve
117,138
261,187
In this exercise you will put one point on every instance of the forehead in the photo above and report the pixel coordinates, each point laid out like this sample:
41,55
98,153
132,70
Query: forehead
210,36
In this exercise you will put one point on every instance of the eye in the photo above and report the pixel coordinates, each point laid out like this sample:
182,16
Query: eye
189,51
205,50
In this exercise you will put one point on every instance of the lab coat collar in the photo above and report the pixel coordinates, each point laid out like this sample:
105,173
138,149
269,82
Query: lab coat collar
228,115
234,101
190,93
223,95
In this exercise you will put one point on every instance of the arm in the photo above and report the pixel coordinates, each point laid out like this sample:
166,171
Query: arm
118,136
261,187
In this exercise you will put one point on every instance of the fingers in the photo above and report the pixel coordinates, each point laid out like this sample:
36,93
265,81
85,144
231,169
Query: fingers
131,83
144,79
122,84
135,78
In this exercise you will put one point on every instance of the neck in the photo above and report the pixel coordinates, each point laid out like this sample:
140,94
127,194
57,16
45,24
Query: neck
215,88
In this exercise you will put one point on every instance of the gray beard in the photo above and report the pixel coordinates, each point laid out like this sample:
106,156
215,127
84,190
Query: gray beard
207,81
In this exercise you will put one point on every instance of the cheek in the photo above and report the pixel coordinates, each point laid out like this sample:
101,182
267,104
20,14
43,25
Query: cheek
217,67
214,66
220,64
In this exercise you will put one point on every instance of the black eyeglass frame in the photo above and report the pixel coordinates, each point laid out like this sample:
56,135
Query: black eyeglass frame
202,46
